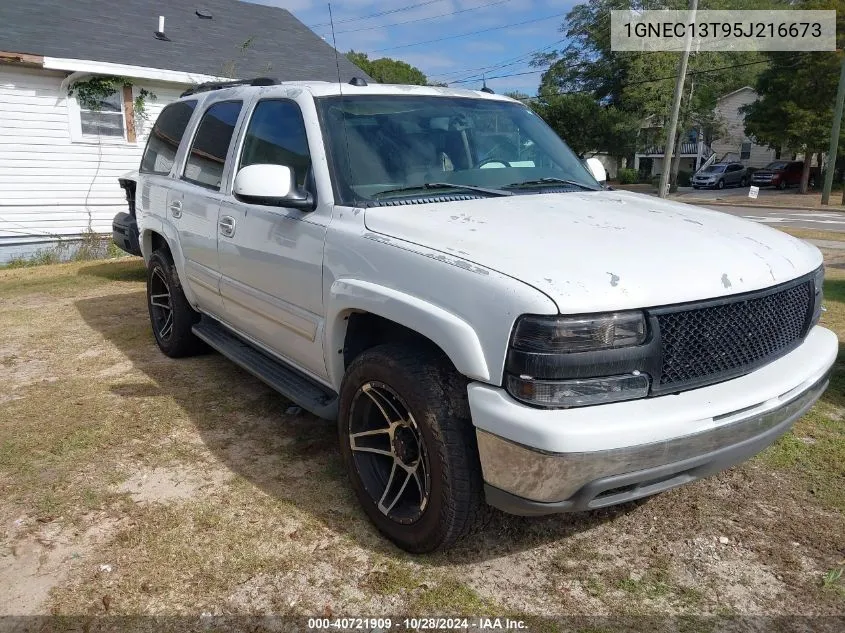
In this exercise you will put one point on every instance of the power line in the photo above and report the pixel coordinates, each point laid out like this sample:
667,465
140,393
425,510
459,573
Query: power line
630,83
452,37
376,15
511,61
431,17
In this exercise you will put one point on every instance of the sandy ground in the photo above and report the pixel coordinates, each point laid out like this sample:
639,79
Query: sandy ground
135,484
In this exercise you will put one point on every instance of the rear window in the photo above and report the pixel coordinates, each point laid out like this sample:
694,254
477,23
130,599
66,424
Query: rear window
207,157
165,137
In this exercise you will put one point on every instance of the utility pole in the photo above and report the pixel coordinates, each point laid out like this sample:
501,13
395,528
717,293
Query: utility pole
676,106
834,135
679,148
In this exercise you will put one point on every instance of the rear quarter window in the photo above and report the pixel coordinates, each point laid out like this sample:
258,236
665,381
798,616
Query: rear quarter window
167,133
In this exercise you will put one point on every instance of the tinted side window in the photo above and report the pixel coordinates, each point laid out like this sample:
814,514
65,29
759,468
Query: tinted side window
276,136
165,137
207,157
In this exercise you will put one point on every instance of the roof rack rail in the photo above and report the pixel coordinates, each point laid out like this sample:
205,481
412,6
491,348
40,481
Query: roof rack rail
219,85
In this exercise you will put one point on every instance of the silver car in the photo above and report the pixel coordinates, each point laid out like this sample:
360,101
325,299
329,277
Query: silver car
720,175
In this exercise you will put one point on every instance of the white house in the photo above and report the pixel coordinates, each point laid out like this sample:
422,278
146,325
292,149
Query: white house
59,158
732,144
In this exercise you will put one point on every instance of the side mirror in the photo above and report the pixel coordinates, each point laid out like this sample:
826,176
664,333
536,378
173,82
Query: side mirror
597,169
271,185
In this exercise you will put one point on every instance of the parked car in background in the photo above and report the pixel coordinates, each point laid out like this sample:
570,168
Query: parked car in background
782,174
720,175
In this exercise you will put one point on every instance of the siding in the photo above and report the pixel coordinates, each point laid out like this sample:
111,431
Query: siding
51,187
731,142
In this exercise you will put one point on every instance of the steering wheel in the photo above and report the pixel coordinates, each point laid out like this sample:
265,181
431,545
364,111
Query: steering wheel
493,161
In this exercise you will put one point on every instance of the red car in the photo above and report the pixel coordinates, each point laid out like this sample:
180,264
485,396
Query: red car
782,174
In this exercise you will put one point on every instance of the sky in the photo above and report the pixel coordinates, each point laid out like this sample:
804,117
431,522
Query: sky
513,30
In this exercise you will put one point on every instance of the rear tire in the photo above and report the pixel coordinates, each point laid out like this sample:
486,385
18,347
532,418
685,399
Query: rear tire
409,446
171,316
743,182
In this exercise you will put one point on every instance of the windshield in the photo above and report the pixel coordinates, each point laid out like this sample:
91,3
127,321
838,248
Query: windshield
776,165
381,144
714,169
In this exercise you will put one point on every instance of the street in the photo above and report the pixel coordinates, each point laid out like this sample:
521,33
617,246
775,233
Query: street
795,218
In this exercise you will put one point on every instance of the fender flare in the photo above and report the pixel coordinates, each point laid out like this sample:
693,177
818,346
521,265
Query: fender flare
153,224
448,331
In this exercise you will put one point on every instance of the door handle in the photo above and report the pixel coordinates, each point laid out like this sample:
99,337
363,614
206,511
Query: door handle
226,224
176,209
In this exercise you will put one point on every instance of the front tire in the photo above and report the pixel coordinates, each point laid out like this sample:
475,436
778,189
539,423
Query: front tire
171,316
720,184
409,446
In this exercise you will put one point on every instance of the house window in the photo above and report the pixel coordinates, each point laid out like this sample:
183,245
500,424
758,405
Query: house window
745,151
105,119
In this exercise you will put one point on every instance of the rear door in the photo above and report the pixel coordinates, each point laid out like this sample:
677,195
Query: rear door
196,197
271,257
159,160
733,174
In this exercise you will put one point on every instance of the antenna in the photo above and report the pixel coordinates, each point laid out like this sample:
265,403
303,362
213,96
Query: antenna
342,111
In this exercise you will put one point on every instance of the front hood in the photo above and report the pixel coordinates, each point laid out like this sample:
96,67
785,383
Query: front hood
766,172
606,250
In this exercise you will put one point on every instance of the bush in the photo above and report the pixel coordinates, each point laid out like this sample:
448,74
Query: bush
684,178
628,176
749,171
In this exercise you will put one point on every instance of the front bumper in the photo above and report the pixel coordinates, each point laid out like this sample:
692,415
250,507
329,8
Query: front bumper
539,461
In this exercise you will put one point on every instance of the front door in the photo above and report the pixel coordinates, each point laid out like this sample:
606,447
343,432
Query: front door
196,198
270,257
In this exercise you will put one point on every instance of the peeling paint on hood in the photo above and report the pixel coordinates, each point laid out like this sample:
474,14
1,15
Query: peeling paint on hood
607,250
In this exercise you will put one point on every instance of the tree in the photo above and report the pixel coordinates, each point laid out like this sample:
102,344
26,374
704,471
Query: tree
638,84
388,71
796,92
586,125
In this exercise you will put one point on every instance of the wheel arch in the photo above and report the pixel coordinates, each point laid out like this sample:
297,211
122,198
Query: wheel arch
154,238
355,306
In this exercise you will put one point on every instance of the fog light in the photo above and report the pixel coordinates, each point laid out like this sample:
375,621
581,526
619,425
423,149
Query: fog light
578,393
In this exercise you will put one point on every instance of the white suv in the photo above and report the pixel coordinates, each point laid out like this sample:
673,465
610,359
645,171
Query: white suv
435,269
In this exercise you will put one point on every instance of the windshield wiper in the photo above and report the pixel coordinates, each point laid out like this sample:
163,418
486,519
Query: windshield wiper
445,185
550,181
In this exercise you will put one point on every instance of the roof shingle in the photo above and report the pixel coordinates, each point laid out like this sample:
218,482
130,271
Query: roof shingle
240,40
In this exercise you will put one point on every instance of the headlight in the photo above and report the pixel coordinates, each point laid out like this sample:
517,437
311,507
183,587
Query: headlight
818,286
575,361
579,392
564,334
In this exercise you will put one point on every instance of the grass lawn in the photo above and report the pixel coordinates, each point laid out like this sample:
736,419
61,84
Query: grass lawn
133,483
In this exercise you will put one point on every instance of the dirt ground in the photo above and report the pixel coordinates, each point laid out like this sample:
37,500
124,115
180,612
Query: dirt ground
131,483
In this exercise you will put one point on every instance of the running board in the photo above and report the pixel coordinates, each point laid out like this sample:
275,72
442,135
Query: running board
291,383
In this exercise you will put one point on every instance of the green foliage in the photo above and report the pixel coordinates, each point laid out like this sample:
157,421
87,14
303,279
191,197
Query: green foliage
586,125
684,178
796,94
90,93
628,176
388,71
639,84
